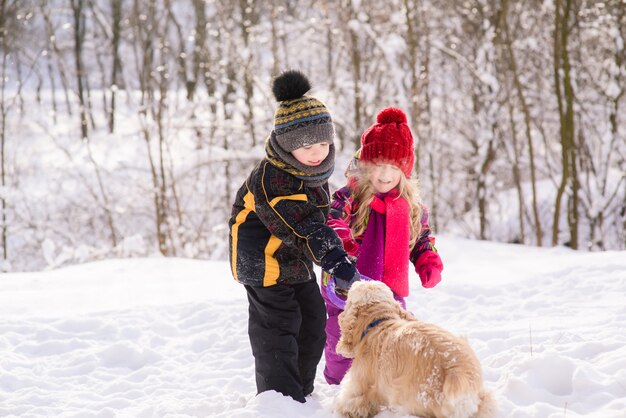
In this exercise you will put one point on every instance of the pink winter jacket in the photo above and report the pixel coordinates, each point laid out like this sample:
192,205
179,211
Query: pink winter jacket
423,255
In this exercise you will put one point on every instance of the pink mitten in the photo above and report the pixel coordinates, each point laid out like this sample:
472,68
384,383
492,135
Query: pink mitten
429,268
429,276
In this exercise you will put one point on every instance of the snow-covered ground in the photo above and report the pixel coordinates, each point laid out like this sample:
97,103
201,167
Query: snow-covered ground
159,337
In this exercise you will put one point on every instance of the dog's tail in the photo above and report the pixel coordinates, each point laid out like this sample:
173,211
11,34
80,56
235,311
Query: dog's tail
459,383
488,406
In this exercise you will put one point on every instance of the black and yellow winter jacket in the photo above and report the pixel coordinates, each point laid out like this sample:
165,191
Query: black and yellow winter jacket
278,229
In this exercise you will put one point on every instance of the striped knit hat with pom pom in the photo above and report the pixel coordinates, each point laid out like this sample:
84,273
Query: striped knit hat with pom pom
299,120
389,140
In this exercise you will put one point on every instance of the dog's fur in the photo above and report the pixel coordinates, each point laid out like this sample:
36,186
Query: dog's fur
415,367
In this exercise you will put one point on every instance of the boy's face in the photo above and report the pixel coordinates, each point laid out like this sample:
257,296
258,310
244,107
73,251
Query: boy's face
312,155
384,177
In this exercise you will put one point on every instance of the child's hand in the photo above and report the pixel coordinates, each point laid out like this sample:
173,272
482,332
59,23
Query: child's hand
430,276
337,263
429,268
343,269
342,286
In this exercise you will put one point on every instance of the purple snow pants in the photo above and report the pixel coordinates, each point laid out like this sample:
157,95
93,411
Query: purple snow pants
337,365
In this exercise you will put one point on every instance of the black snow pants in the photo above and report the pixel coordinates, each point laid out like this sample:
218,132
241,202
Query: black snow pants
286,329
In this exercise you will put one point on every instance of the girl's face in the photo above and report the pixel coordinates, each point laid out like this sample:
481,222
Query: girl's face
312,155
385,177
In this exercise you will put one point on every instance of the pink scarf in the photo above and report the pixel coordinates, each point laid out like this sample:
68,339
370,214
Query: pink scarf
384,253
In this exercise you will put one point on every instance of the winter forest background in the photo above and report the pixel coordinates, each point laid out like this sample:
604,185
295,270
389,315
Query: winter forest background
128,125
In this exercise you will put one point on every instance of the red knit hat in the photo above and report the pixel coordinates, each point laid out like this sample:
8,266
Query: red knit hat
389,139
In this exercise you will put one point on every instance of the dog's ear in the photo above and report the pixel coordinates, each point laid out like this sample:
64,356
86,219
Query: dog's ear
345,346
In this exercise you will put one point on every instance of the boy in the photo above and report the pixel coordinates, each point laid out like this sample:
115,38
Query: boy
277,231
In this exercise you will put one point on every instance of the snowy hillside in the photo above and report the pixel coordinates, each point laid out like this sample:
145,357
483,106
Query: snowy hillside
159,337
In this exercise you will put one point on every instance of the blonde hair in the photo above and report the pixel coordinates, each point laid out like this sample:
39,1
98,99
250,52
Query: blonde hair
364,193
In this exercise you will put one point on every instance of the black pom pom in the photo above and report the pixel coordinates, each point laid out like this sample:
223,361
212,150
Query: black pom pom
290,85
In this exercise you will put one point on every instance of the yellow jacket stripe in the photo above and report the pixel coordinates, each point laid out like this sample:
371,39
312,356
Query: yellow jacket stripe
241,217
272,269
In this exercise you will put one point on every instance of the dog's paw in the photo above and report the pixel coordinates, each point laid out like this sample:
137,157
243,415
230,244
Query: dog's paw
356,407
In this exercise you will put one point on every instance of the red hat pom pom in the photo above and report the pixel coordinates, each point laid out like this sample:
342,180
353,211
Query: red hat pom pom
391,115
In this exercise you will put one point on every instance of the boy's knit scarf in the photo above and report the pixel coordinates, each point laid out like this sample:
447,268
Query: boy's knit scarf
384,252
313,176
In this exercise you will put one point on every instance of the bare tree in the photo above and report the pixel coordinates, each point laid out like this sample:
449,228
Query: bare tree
79,31
565,100
180,55
79,37
4,31
419,49
13,23
200,52
599,144
56,52
483,137
116,68
355,58
249,18
411,17
145,27
228,109
512,63
517,177
273,22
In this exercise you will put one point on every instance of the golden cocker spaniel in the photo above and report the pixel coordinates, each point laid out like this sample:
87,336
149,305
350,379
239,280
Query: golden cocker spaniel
400,362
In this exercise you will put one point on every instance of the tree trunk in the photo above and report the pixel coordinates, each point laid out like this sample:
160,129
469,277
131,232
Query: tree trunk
146,31
558,22
53,90
566,117
160,115
181,54
200,59
571,131
517,178
247,19
77,10
412,45
57,53
3,123
425,134
103,83
79,37
481,189
522,99
356,75
116,6
273,22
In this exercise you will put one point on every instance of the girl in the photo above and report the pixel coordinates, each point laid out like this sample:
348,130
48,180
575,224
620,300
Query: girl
277,231
381,222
